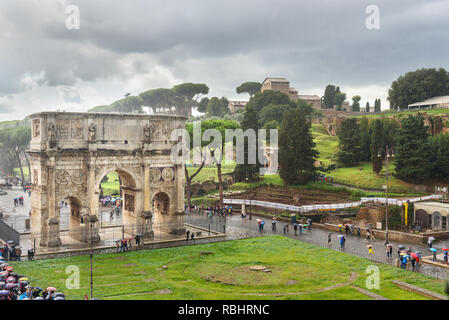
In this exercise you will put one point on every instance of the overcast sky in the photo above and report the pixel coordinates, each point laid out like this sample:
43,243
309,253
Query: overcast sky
132,46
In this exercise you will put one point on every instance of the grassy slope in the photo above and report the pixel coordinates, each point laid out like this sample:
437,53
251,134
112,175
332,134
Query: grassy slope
112,187
138,275
366,178
326,145
25,172
207,172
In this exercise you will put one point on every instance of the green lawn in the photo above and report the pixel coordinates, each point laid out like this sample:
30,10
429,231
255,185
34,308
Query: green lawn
366,178
207,173
25,172
112,186
326,145
298,271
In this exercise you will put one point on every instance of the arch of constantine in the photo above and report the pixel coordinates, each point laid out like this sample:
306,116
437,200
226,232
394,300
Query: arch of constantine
70,154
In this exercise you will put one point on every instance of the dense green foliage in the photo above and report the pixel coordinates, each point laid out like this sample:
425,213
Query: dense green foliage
13,145
377,144
250,88
349,143
413,151
417,86
356,103
182,98
297,152
377,105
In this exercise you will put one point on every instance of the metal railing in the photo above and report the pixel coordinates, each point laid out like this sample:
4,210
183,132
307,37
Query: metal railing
313,207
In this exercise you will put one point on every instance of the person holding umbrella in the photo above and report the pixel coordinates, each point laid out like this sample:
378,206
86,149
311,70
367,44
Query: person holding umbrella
389,250
434,254
445,254
400,248
429,242
370,249
342,241
404,260
413,259
418,259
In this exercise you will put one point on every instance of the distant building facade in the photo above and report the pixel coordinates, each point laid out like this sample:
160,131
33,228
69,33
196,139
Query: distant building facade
345,106
314,100
236,105
283,85
435,102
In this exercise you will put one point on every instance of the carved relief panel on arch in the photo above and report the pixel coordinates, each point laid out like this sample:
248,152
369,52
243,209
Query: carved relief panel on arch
159,175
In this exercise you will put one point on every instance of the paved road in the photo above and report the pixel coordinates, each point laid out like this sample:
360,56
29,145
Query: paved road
238,228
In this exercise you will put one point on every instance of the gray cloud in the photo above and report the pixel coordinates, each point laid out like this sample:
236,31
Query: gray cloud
222,43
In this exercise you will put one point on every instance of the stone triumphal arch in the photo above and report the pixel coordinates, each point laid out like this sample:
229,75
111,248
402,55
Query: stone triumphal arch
70,153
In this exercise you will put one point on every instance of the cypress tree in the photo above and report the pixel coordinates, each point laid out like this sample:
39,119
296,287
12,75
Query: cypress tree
248,171
365,136
413,151
349,143
377,145
297,152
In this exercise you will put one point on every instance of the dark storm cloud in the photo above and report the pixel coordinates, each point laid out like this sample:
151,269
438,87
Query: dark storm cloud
222,43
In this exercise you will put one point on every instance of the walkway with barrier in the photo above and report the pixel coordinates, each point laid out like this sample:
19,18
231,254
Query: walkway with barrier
334,206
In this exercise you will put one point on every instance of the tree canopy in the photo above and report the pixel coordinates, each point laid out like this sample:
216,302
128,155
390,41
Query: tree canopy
417,86
250,88
297,153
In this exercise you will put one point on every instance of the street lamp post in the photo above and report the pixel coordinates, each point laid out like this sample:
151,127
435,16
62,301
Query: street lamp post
388,155
91,254
91,261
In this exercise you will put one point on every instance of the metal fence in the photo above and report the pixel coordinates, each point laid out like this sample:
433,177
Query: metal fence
332,206
135,234
8,233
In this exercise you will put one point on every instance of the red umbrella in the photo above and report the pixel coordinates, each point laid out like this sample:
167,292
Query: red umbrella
445,249
9,268
414,256
51,289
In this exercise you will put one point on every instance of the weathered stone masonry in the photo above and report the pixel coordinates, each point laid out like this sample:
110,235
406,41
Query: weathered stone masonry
71,153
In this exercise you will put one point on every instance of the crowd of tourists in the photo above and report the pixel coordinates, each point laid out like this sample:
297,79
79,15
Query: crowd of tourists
211,210
110,201
14,286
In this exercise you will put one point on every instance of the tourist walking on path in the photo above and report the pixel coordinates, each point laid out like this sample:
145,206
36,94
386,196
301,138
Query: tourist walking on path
389,250
404,262
370,250
434,254
273,225
188,234
295,228
429,242
300,229
358,232
329,238
309,222
342,242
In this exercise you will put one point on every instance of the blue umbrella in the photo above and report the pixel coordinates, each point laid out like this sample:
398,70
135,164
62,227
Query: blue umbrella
433,249
4,292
